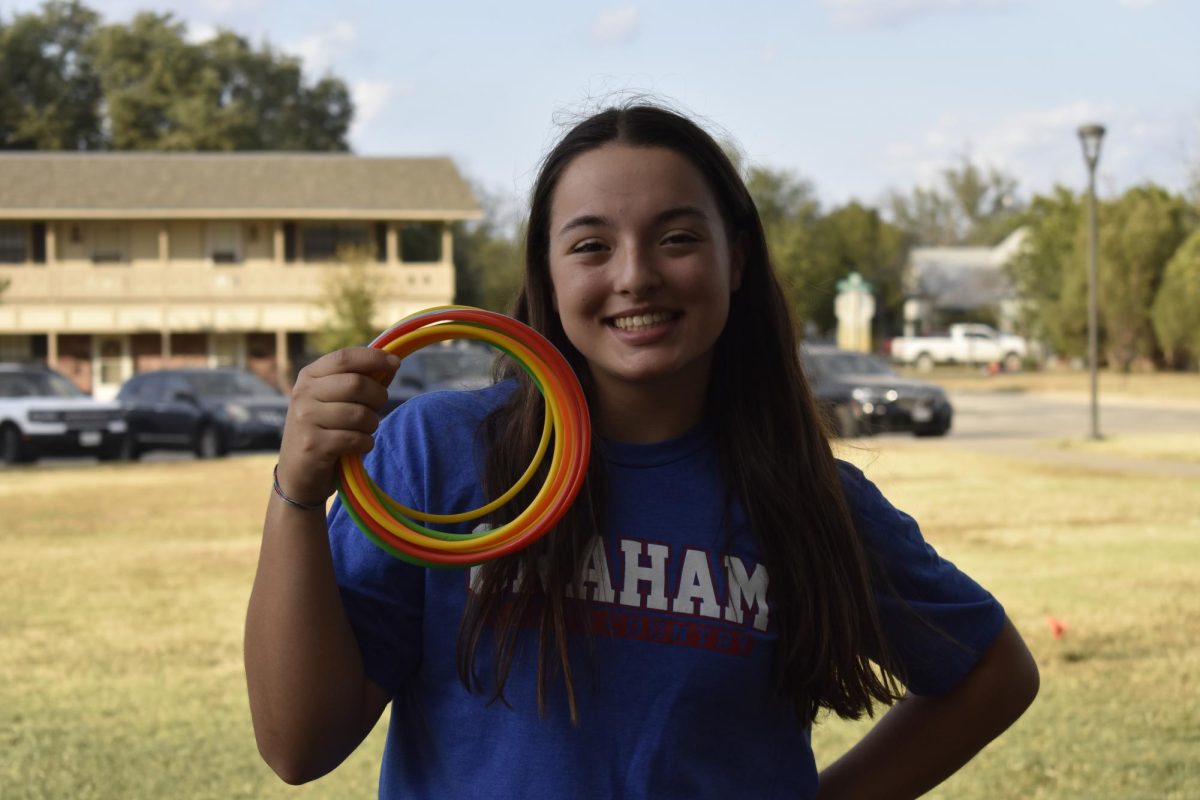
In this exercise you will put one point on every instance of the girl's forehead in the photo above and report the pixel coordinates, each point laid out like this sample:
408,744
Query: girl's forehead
622,180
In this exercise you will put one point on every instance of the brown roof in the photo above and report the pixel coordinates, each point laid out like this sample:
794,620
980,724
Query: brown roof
62,185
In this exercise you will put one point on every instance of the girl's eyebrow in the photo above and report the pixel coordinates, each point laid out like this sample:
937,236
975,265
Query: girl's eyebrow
667,215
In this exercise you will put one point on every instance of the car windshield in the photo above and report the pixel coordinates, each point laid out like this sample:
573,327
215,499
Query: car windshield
230,384
37,384
446,365
851,364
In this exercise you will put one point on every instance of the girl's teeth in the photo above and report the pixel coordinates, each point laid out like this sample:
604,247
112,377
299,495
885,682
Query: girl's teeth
640,321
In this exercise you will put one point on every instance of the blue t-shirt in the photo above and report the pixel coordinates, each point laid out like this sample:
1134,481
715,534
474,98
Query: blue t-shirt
674,684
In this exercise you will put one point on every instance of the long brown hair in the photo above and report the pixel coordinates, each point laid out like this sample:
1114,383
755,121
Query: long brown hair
773,450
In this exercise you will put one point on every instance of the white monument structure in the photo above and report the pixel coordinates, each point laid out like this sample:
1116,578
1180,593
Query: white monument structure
854,308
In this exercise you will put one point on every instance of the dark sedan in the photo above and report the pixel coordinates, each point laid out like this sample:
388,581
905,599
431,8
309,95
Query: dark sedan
862,395
452,365
207,411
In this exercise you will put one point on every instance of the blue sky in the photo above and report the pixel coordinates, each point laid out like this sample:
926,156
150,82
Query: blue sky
858,96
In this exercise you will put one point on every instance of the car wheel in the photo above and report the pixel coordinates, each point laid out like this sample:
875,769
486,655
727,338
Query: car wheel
12,449
123,449
933,430
208,442
924,363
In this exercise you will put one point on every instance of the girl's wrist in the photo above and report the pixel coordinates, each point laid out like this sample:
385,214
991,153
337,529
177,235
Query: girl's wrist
298,502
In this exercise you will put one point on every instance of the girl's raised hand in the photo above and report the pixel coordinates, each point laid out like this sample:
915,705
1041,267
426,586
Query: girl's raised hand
333,411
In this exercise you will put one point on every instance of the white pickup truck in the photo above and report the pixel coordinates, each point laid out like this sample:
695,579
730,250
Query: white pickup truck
966,343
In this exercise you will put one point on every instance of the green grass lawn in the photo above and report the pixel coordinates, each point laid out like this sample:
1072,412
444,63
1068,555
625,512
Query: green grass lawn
125,586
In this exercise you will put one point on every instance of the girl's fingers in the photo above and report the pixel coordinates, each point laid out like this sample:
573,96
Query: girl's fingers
346,387
337,416
361,360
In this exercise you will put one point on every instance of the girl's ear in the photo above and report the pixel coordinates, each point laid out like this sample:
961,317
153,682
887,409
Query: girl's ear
737,261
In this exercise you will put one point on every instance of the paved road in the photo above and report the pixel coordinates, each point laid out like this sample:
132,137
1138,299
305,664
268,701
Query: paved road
1019,425
999,415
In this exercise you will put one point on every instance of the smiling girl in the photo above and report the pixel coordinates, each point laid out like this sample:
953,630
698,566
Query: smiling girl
719,581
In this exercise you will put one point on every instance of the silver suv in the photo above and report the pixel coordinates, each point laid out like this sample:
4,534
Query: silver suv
43,413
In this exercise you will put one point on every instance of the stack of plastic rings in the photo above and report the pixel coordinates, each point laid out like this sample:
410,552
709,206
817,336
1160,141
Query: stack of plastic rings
397,529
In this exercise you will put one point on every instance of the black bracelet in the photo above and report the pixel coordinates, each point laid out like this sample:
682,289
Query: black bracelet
290,501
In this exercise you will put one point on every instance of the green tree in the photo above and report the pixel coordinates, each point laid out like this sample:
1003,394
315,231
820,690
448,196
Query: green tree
788,207
50,92
489,259
970,205
812,250
1138,235
71,83
349,302
1176,309
856,238
162,92
1049,272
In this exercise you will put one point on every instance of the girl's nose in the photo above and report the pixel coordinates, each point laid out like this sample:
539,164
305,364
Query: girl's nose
636,272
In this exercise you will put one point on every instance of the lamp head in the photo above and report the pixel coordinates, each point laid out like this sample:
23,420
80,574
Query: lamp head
1090,136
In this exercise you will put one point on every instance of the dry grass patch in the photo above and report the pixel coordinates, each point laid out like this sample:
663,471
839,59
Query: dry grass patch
1166,387
1113,555
1181,447
125,589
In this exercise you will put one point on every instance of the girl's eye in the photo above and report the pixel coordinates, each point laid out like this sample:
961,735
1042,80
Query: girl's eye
680,237
588,246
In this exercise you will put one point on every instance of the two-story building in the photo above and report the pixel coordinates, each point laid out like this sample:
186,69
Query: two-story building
118,263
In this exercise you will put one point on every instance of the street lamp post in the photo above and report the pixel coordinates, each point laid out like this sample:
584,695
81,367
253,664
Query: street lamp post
1090,137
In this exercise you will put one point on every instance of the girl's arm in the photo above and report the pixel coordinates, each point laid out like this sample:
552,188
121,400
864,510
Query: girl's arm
923,740
310,701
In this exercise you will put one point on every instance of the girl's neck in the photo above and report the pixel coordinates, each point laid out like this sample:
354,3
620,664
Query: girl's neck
644,413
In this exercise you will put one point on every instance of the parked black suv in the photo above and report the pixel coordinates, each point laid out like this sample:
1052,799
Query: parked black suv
862,395
207,411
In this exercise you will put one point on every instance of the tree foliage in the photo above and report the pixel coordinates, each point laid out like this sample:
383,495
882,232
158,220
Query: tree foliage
1138,235
489,259
349,303
788,207
50,96
970,205
1176,310
141,85
813,250
856,238
1049,272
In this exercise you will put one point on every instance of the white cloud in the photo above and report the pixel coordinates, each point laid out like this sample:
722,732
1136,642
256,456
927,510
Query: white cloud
371,99
199,32
877,13
320,50
1040,147
615,25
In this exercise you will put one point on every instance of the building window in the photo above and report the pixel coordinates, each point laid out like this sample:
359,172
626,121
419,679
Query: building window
321,242
16,348
421,242
225,242
108,243
227,350
14,243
